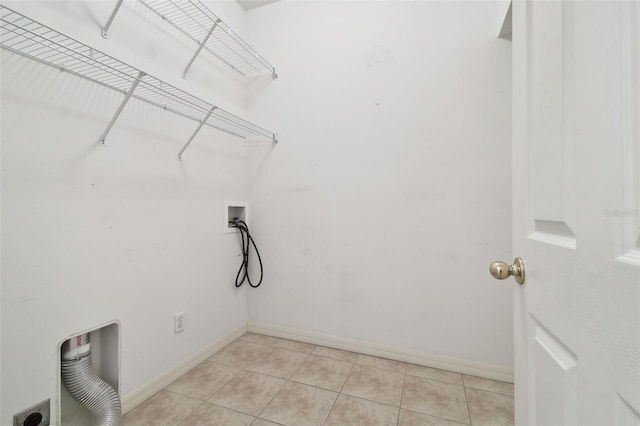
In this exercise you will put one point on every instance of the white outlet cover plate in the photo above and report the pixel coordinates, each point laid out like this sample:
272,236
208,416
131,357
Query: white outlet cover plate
179,322
44,408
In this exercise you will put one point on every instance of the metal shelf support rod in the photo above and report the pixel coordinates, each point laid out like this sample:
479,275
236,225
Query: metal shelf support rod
105,29
121,107
195,55
202,123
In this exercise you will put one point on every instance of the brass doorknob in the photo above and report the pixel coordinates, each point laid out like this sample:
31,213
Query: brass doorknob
501,270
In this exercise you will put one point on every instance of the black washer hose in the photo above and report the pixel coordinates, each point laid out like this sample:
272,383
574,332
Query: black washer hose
244,229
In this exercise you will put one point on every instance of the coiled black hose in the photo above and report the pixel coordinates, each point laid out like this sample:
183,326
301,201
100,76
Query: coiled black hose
247,241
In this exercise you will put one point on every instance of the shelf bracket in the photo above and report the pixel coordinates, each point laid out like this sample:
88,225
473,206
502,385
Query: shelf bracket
202,123
121,107
105,29
199,49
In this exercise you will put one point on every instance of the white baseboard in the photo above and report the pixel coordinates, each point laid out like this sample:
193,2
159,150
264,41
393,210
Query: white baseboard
474,368
146,391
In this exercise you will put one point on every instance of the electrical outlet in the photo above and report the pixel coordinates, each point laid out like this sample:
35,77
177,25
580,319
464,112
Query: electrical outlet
179,322
38,415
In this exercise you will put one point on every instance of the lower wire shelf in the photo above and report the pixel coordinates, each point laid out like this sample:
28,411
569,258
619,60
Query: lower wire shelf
24,36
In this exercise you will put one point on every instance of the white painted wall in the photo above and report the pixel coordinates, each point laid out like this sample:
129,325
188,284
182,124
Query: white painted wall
388,195
123,232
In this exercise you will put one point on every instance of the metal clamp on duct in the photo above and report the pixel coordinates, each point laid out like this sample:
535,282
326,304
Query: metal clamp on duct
85,386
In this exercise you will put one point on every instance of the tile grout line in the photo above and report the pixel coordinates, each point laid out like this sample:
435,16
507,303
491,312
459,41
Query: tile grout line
245,370
190,413
438,380
274,394
493,392
457,384
230,409
287,380
225,383
437,417
404,383
197,408
340,391
466,400
240,370
328,357
405,364
271,399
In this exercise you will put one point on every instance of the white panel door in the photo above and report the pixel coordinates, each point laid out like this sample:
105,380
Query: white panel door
576,190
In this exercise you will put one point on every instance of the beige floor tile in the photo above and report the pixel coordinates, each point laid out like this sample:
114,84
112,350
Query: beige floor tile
214,415
435,398
248,392
239,354
292,345
335,354
165,408
374,384
383,363
263,422
300,405
490,409
258,338
277,362
434,374
411,418
375,391
201,382
349,410
488,385
322,372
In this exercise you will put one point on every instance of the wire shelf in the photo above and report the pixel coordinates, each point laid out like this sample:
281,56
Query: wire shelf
209,32
24,36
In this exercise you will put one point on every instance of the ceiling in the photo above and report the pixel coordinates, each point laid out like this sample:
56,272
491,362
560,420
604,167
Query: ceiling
252,4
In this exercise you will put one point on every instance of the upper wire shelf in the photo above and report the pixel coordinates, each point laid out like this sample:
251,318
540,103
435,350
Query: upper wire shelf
209,32
36,41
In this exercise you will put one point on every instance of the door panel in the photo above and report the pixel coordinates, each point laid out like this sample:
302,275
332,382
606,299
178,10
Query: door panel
550,121
630,140
556,383
576,191
625,415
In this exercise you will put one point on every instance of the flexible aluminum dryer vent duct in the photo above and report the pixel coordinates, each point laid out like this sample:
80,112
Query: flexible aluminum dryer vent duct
85,386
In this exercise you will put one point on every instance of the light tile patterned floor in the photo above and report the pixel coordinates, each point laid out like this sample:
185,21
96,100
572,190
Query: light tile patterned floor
260,380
